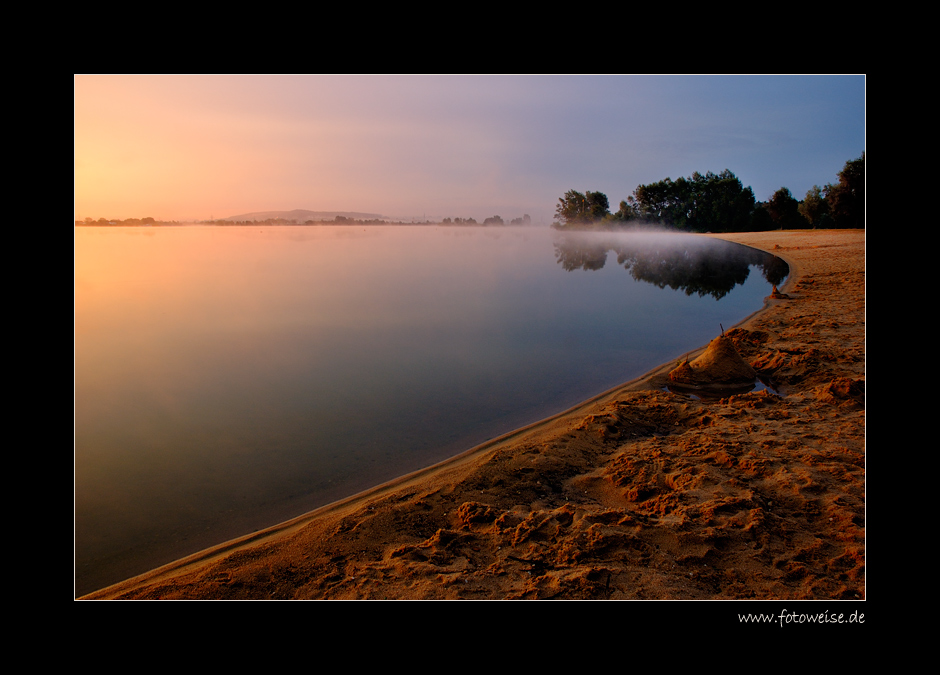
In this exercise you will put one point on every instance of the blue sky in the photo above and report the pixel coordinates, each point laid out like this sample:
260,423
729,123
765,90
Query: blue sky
193,147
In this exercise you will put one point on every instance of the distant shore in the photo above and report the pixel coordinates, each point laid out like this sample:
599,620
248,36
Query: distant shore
334,223
639,493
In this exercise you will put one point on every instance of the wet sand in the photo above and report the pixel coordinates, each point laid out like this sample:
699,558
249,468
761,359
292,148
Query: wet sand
640,493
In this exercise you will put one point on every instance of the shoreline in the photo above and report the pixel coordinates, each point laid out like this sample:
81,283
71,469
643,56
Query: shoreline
628,494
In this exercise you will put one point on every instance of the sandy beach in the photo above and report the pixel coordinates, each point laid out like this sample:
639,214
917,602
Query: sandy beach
640,493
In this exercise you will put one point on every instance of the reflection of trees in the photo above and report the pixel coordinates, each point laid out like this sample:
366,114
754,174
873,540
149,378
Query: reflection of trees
695,265
578,253
773,268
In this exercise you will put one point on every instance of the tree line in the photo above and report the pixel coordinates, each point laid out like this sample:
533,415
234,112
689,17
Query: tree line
338,220
130,222
492,220
720,203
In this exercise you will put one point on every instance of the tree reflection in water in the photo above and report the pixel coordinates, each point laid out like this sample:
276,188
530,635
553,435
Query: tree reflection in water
695,265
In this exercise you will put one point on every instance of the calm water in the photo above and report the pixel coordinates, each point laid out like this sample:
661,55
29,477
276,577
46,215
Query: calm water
230,378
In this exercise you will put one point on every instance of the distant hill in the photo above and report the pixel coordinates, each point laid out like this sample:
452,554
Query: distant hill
303,215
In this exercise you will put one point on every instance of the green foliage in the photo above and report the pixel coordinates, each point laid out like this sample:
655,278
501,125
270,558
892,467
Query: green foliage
720,203
784,211
761,220
702,203
627,212
576,208
814,206
598,206
846,199
664,202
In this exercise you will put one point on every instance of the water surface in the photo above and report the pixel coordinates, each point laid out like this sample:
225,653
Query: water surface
230,378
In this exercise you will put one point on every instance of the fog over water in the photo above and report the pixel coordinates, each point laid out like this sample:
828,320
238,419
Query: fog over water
230,378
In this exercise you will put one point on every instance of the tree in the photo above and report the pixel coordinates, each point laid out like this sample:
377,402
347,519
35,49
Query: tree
784,210
814,206
627,211
576,208
719,203
598,206
847,198
703,203
665,202
760,219
571,208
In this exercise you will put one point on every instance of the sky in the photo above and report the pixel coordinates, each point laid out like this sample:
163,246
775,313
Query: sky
196,147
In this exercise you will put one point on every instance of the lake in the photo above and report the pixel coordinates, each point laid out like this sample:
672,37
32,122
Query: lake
229,378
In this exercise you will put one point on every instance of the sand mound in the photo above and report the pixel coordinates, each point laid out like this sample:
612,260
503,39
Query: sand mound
720,365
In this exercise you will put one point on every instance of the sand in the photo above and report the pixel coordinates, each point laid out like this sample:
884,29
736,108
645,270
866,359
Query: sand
641,493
